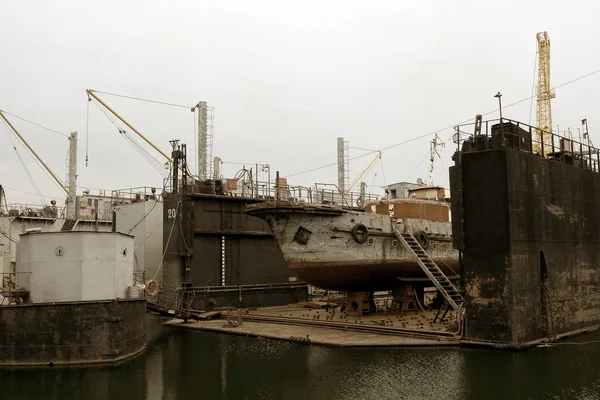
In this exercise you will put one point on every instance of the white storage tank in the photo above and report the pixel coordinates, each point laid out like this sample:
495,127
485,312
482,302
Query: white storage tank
75,266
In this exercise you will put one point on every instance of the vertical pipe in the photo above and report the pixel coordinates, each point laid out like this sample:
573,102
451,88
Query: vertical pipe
217,169
256,180
175,155
277,186
202,140
96,203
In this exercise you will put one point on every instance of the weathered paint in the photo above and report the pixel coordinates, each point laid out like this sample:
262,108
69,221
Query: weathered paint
330,258
412,208
250,256
12,227
143,220
530,231
72,333
75,266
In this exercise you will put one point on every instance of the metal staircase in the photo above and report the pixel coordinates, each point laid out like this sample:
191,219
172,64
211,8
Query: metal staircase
433,272
68,225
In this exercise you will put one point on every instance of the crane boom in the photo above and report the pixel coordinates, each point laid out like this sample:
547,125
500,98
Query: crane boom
60,183
358,178
91,93
544,94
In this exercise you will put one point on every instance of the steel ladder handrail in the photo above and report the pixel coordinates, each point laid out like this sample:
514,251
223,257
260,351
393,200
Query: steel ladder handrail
431,269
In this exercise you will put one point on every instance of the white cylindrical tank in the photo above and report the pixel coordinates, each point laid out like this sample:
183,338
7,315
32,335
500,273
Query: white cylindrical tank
75,266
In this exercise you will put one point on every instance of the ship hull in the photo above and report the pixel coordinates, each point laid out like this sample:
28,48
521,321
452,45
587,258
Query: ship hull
319,246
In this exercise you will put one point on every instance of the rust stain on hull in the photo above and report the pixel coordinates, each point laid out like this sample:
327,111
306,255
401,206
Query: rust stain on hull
321,246
361,276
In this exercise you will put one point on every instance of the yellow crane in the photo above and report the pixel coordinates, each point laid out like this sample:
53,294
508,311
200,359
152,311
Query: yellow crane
544,94
360,176
92,94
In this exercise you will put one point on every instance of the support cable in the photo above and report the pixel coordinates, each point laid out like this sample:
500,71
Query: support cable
143,218
33,123
443,129
417,166
382,170
142,99
87,133
533,85
8,237
35,187
168,240
147,156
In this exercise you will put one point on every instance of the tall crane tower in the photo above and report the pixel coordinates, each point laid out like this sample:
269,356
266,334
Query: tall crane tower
544,94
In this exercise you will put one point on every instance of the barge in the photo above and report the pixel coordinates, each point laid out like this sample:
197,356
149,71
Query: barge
72,301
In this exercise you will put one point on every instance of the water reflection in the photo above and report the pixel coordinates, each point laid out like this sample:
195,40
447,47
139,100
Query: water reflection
182,364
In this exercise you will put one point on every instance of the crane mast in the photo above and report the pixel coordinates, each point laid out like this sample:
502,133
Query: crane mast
544,94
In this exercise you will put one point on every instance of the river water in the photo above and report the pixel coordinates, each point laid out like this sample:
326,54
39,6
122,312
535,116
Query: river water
188,364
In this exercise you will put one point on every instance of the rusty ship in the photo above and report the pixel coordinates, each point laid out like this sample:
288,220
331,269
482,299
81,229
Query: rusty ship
357,249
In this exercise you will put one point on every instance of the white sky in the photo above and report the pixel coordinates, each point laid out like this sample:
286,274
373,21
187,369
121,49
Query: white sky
286,79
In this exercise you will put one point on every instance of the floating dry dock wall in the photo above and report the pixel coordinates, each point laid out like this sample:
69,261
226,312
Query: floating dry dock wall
528,227
230,256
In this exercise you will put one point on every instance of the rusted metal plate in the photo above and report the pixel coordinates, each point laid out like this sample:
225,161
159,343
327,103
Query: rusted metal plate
320,245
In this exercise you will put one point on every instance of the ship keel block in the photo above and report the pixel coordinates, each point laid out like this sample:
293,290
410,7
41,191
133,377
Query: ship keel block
358,304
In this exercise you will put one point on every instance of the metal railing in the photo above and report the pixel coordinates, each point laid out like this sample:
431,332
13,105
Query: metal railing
11,291
507,133
321,193
135,194
139,277
31,210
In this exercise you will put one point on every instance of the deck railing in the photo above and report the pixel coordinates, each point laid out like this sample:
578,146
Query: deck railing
507,133
321,193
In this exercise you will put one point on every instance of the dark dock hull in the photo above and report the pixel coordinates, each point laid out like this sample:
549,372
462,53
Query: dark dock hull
532,266
72,333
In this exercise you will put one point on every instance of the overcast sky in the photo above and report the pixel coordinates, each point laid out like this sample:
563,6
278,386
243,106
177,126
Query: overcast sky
286,79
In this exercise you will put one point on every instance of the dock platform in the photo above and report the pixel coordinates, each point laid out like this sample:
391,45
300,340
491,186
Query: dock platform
302,324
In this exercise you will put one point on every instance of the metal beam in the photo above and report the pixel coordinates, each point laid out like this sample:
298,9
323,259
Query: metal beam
90,92
61,184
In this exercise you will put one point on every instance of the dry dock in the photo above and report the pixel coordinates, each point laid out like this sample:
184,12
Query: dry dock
331,327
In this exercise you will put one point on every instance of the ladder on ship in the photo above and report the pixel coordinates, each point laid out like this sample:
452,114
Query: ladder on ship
68,225
431,269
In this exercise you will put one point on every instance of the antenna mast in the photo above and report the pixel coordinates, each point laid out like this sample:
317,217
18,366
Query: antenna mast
343,164
433,151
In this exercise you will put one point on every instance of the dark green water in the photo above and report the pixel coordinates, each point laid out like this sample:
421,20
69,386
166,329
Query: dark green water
185,364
